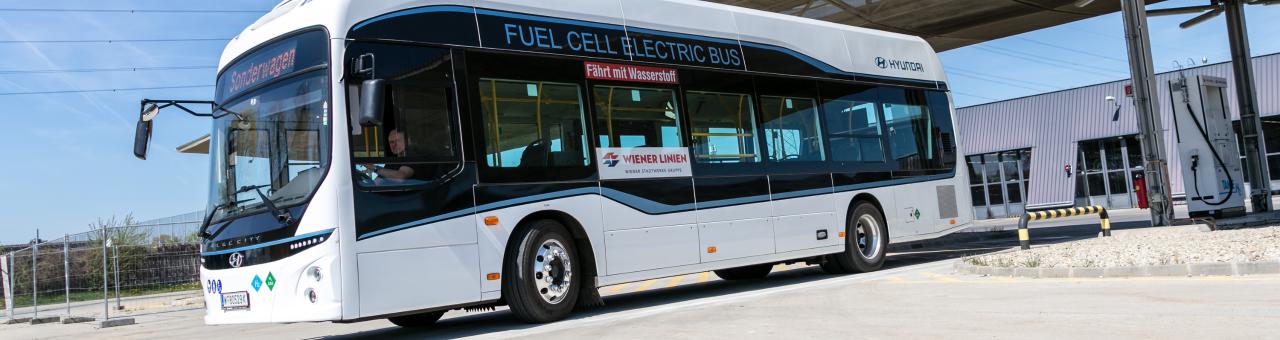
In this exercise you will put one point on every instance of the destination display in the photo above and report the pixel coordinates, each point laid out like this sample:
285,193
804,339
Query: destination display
531,33
264,67
273,62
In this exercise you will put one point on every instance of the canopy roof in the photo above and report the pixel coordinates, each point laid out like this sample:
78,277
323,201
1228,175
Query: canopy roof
946,24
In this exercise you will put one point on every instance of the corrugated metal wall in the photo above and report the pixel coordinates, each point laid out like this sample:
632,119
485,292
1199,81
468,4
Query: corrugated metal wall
1053,124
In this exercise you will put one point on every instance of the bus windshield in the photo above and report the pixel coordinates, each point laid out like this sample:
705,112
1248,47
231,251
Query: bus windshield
276,140
272,138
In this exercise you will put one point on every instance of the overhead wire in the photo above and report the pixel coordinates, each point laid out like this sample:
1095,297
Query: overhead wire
116,69
974,95
1049,61
108,41
1076,50
131,11
1041,58
1159,68
1030,85
105,90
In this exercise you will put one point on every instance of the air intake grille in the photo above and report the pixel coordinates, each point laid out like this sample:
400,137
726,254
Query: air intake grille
947,201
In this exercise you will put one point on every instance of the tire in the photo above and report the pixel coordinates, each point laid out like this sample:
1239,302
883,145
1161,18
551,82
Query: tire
542,273
754,272
864,248
421,320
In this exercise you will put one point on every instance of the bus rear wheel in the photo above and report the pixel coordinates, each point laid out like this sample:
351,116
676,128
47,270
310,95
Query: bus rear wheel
753,272
542,275
420,320
864,248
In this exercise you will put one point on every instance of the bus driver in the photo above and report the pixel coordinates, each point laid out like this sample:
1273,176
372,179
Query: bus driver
395,172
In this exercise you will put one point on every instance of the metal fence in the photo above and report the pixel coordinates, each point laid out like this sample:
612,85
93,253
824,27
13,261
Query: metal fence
106,272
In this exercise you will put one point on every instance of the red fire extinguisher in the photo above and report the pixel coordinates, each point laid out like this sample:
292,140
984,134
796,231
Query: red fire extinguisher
1140,189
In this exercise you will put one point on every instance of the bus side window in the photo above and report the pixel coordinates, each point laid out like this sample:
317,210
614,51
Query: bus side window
910,127
532,124
416,142
416,133
854,126
637,117
791,127
940,107
724,127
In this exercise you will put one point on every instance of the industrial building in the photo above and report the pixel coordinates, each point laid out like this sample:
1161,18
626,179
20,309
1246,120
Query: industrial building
1076,147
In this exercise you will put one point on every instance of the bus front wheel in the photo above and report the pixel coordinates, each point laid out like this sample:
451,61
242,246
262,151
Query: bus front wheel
864,248
543,278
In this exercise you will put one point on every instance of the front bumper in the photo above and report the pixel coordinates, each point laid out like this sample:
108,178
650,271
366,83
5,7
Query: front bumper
278,291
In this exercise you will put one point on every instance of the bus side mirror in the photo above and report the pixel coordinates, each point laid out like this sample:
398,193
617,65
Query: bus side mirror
141,139
372,103
142,135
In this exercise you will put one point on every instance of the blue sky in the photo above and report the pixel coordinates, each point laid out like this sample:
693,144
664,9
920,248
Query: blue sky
1093,51
68,155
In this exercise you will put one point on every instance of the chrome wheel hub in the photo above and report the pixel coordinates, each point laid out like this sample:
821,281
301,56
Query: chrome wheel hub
866,235
552,271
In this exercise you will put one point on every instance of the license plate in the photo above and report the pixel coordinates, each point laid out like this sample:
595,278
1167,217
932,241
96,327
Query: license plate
235,300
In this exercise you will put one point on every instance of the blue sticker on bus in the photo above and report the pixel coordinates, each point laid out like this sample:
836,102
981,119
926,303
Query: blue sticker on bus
257,283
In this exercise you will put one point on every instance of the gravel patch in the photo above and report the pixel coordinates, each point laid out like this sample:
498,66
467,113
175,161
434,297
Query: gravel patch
1146,247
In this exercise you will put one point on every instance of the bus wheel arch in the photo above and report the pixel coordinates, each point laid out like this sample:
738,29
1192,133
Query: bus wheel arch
852,260
588,295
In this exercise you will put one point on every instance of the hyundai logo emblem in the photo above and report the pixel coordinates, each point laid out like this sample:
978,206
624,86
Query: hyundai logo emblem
235,260
880,62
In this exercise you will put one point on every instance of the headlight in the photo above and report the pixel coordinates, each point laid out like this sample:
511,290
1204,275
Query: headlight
314,272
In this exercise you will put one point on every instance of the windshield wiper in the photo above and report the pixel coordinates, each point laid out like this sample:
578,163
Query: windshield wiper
282,215
209,218
204,228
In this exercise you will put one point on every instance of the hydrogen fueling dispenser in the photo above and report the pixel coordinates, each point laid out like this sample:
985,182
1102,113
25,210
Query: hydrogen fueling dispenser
1211,172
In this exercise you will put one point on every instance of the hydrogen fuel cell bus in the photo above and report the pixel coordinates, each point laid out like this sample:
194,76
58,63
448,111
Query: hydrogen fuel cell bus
398,159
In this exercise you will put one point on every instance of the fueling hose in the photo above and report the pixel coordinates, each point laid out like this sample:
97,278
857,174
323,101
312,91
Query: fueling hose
1231,182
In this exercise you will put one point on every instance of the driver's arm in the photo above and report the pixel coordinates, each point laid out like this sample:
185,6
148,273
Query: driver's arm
403,172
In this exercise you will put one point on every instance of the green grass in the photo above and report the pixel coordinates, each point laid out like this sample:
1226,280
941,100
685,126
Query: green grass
60,298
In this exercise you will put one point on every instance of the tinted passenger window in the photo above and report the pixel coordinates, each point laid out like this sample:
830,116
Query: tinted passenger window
532,124
636,117
940,107
723,127
910,129
792,130
855,129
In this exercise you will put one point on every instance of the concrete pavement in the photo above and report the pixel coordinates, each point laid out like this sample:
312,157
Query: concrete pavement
916,296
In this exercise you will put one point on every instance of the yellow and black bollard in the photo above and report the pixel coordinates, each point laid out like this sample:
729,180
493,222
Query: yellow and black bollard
1106,222
1024,236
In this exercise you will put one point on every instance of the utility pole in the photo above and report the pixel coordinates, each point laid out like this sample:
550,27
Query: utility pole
1250,125
1149,126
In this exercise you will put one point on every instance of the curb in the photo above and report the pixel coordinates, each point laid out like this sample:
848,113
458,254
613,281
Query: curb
1194,269
45,319
75,319
15,321
115,323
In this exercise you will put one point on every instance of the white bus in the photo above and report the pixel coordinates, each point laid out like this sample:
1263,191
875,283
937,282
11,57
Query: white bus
401,158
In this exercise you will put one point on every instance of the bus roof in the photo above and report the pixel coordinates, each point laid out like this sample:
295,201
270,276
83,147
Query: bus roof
842,48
